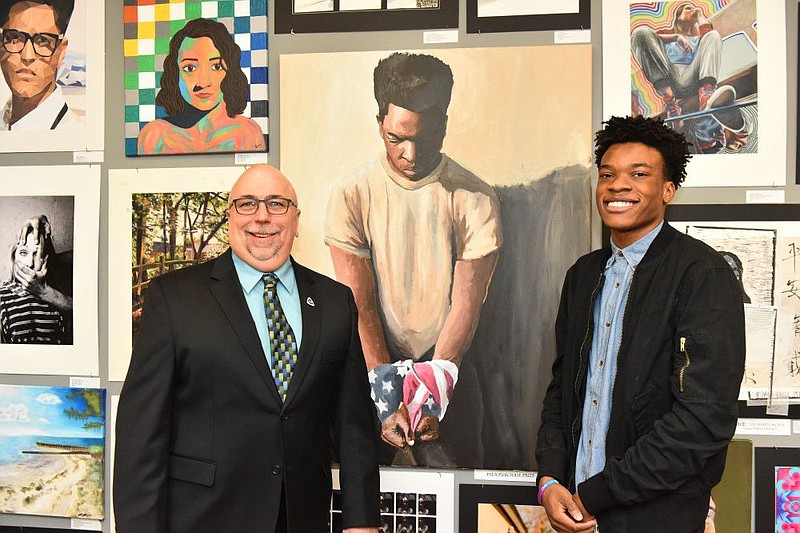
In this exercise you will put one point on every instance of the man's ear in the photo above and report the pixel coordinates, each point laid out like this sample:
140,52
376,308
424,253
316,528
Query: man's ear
61,52
669,191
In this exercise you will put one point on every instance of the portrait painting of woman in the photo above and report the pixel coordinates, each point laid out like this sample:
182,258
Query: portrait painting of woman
204,93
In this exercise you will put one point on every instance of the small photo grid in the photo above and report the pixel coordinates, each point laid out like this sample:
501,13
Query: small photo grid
401,512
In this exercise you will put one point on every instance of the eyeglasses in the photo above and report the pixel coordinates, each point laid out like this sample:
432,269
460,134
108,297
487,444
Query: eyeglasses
275,205
44,44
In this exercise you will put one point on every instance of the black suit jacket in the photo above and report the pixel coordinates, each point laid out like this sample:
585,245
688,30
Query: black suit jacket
204,443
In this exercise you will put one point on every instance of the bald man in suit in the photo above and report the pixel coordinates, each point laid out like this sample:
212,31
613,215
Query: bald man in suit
222,428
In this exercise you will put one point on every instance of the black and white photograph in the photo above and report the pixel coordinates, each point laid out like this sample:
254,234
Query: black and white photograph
486,16
402,508
36,233
324,16
427,504
406,503
48,233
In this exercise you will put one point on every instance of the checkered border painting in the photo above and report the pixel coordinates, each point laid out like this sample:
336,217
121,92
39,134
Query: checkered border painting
148,27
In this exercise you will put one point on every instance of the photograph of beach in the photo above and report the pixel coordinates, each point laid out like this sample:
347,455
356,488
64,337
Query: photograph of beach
52,447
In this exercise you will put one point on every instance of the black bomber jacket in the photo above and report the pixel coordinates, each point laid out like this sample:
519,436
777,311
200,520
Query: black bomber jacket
679,369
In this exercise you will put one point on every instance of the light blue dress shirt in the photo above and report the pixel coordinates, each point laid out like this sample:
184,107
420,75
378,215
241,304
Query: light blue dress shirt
252,283
608,313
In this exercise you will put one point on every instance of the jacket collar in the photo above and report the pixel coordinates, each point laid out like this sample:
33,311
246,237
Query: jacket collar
227,290
656,250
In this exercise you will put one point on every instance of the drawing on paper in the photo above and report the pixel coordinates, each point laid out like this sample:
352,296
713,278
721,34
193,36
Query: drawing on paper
750,253
787,498
694,64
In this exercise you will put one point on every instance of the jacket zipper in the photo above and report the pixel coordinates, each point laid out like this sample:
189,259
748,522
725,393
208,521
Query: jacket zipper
688,362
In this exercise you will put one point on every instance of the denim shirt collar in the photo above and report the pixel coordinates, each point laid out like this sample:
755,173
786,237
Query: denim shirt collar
633,253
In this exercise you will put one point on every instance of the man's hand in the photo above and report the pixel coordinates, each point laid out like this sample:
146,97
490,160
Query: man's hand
586,514
428,428
361,530
396,429
684,43
565,515
32,280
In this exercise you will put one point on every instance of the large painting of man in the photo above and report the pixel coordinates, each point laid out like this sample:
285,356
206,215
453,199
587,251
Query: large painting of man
414,209
440,202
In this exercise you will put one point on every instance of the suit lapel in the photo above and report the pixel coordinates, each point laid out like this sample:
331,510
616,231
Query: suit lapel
227,290
311,308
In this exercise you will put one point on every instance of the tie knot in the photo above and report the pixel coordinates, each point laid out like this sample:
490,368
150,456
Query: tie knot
270,280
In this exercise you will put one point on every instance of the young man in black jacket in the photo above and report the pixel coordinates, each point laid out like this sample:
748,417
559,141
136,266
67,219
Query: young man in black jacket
650,355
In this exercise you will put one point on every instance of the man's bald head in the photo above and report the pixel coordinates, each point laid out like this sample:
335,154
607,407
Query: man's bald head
264,176
263,239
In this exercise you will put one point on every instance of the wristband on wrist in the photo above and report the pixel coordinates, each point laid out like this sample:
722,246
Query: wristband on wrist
546,485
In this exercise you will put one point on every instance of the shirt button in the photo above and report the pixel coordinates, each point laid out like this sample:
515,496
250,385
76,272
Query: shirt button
276,469
284,417
590,442
594,402
608,324
601,363
616,285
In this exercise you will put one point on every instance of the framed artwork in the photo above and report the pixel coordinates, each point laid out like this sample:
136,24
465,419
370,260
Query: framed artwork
195,77
52,92
410,502
48,226
159,220
485,16
777,479
705,83
52,449
733,496
27,529
112,432
501,508
760,243
525,187
324,16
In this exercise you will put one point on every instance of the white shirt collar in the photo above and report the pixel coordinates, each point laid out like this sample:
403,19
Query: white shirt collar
41,118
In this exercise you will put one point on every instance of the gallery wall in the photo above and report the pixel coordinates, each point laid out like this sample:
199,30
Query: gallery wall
292,150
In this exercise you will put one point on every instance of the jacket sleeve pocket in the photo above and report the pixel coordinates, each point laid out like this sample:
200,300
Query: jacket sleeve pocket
191,470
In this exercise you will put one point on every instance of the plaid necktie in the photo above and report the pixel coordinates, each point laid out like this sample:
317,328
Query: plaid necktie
281,336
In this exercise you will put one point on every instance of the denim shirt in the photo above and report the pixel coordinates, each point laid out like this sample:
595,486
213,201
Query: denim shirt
608,313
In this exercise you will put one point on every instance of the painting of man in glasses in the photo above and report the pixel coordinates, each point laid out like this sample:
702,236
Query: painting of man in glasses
34,47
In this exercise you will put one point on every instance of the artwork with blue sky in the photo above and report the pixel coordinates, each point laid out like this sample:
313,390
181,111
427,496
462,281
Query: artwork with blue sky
52,446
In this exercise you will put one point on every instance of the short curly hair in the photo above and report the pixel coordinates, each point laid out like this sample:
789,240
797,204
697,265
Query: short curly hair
418,82
672,145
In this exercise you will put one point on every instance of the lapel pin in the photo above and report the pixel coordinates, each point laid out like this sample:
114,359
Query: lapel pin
309,301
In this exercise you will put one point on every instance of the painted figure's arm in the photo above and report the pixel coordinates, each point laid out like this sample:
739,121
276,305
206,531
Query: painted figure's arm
470,283
357,273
